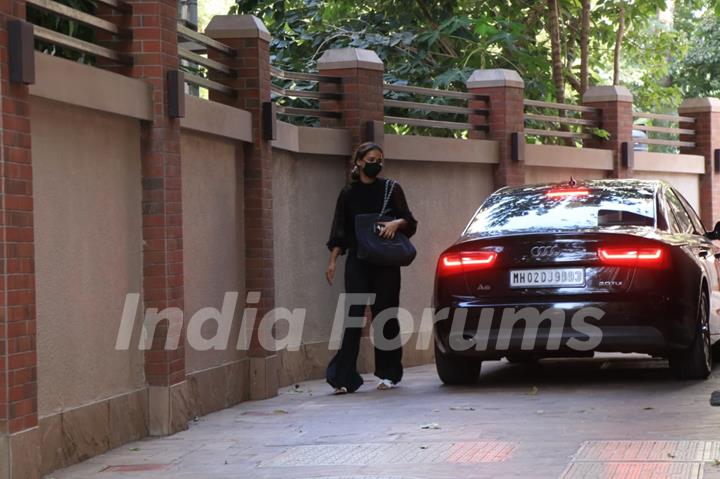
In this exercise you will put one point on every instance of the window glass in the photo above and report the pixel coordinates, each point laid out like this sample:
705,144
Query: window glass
543,208
682,219
697,222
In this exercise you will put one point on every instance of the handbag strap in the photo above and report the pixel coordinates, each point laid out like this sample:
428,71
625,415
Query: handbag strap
389,187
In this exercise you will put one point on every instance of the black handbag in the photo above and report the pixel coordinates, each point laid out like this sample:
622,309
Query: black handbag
372,247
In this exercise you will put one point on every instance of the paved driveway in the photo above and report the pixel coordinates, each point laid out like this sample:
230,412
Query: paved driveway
618,416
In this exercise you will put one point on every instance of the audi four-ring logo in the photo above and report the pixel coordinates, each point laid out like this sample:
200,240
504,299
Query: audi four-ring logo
544,251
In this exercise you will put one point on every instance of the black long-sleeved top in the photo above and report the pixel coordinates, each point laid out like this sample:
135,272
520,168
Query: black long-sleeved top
361,198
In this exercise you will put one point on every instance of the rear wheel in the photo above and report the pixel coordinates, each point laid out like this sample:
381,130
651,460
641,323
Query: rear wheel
695,362
454,369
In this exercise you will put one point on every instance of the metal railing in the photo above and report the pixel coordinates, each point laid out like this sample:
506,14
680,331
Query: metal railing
540,123
663,135
299,96
406,109
68,18
201,71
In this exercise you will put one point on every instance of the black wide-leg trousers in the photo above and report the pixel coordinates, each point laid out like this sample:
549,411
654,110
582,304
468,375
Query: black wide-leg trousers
362,277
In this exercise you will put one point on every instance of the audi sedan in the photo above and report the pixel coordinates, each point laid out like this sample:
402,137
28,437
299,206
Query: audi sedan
567,270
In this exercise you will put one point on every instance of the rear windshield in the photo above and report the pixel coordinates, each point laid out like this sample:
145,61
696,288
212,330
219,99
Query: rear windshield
557,209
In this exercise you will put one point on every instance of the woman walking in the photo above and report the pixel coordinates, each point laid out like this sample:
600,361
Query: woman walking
366,194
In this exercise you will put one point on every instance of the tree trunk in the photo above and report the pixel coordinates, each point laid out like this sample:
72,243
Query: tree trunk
557,66
618,43
584,41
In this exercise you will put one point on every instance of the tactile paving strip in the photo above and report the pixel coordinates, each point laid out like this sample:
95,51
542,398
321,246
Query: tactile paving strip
392,453
360,477
633,470
632,451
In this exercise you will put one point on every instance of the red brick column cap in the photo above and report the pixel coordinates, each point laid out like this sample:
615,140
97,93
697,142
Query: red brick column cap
495,78
699,105
617,93
339,58
237,26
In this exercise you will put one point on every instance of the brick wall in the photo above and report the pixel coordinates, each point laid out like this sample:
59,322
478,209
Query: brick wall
18,357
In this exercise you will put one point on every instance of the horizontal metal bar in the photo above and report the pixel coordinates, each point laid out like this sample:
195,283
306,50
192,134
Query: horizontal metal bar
75,15
655,141
450,125
433,92
412,105
560,134
316,95
278,73
200,60
209,84
118,5
286,110
560,119
204,40
80,45
663,129
560,106
658,116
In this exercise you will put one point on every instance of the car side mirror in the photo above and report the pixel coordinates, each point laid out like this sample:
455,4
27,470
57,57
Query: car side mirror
715,233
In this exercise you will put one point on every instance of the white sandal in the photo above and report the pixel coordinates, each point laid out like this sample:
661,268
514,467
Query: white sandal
385,384
340,390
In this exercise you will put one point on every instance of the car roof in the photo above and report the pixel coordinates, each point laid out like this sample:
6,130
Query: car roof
625,183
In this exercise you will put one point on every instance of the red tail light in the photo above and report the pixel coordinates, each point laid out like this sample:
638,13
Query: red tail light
644,257
565,192
465,261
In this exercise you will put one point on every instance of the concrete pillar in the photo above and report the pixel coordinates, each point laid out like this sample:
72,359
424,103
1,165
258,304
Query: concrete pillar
362,90
615,104
706,112
505,90
154,49
19,435
247,35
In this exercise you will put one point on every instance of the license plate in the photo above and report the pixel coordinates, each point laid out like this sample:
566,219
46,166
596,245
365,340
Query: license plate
551,277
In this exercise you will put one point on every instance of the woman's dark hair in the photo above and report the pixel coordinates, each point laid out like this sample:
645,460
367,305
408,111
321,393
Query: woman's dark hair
359,153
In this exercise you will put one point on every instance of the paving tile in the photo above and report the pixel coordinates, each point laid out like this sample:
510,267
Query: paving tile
627,451
633,470
393,453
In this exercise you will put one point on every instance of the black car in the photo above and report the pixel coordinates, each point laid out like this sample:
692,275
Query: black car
564,270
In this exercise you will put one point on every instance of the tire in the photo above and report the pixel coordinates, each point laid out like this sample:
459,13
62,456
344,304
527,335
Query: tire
695,362
455,370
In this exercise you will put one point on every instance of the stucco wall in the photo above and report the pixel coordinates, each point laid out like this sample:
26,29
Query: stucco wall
213,237
443,197
545,174
305,189
688,184
88,228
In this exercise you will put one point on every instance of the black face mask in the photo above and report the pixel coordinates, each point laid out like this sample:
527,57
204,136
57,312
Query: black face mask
372,169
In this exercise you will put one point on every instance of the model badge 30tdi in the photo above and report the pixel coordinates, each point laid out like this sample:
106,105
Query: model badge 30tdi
562,270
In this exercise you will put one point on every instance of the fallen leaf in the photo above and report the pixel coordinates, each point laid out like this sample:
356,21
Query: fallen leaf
280,411
533,391
671,456
134,449
462,408
423,447
716,462
432,425
648,408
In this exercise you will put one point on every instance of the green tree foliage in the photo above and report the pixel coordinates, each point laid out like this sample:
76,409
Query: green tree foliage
698,73
437,43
